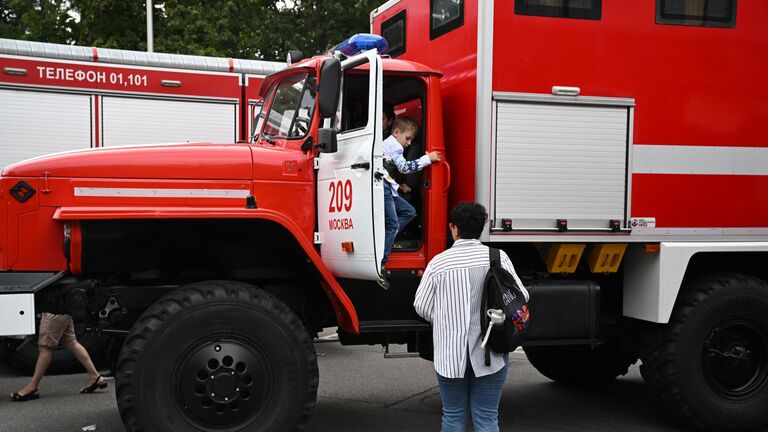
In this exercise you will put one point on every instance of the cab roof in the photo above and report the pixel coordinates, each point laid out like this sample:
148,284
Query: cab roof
389,65
311,64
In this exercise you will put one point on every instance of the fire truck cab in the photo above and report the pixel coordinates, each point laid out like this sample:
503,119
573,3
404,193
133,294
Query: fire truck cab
57,98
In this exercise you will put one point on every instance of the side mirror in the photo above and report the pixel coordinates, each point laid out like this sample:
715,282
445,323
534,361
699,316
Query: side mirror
330,83
294,56
326,138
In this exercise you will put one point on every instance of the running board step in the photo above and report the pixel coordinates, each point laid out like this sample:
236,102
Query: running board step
388,326
398,355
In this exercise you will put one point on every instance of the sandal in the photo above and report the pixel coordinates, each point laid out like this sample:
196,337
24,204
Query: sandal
16,397
96,385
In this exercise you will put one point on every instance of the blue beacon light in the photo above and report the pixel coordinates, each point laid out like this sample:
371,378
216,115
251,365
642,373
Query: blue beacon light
362,42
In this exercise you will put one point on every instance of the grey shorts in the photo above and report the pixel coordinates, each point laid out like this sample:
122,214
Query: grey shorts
55,329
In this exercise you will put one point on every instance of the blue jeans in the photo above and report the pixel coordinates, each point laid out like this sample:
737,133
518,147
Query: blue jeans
397,214
481,396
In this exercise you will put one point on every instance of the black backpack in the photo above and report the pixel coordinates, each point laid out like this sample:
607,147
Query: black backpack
501,291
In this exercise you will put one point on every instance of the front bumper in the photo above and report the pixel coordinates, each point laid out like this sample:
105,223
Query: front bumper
17,300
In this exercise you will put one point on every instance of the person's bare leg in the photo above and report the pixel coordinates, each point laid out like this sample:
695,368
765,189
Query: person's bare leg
43,361
82,356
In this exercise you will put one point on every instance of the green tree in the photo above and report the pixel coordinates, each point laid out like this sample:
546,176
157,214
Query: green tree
10,19
279,31
325,23
40,20
110,23
260,29
210,27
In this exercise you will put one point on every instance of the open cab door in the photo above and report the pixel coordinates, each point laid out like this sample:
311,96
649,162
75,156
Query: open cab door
350,195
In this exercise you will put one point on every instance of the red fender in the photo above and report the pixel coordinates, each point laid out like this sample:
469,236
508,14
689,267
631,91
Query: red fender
345,310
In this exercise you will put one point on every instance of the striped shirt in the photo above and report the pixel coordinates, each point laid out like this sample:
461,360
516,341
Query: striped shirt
449,297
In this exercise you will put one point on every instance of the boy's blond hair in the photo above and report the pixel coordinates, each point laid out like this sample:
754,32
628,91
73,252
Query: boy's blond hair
403,124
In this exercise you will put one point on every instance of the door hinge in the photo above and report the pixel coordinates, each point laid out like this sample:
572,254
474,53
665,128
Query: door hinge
316,163
319,238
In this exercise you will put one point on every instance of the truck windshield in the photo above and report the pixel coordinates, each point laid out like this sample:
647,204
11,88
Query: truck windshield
293,105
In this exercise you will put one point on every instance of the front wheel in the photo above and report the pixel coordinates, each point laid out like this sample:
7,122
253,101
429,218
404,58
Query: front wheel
217,356
709,365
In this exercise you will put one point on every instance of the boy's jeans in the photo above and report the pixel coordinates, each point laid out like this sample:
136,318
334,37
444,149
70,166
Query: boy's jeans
397,214
481,396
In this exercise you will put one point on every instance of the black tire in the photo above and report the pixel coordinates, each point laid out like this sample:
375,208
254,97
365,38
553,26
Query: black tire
217,356
580,364
709,366
24,356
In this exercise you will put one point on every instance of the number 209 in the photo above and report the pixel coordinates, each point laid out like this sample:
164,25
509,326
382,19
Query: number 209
341,196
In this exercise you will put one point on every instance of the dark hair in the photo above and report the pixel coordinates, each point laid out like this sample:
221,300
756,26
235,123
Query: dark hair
389,110
469,218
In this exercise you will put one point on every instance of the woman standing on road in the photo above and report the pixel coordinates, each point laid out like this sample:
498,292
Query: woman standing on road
449,297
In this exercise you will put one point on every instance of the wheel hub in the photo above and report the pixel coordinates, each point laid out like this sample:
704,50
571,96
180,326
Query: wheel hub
225,385
222,383
734,358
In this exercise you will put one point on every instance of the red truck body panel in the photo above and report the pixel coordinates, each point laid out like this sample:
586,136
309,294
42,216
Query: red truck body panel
693,86
121,78
455,56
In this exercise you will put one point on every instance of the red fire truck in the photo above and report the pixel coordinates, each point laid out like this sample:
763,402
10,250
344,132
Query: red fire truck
617,147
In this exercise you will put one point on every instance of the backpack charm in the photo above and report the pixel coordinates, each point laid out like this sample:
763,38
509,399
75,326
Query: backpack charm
497,317
521,319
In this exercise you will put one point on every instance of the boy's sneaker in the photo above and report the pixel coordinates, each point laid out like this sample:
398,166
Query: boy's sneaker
383,282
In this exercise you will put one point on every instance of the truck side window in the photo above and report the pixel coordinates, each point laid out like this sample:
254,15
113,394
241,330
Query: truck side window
354,106
293,105
444,16
707,13
583,9
393,31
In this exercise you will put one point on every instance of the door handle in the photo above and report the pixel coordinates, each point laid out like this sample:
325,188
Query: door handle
361,165
448,176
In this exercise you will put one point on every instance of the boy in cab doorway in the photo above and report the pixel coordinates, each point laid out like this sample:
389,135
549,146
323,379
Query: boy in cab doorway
397,211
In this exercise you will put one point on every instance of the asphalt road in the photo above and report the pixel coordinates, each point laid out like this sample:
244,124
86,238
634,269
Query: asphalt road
362,391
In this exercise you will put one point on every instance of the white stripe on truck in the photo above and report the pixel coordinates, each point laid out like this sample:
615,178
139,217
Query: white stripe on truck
160,193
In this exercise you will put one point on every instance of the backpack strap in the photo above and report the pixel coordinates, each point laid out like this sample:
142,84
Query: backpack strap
494,257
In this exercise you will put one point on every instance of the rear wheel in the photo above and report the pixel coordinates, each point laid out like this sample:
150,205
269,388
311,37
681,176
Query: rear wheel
580,364
709,365
217,356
